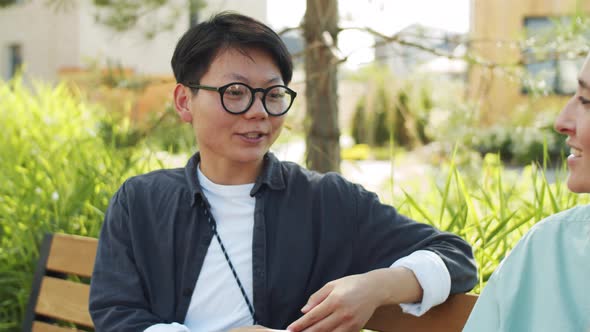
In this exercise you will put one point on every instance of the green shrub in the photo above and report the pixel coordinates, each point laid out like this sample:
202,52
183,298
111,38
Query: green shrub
57,175
359,126
396,111
521,145
426,105
402,121
497,140
380,119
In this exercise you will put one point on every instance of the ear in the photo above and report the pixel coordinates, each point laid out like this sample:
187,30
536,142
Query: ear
182,99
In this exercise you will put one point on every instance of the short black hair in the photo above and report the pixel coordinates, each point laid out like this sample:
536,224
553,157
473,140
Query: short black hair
200,44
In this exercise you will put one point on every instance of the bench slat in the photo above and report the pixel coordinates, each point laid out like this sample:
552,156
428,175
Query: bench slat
64,300
72,254
44,327
447,317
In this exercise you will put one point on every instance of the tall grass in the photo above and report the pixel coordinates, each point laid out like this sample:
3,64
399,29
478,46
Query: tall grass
57,175
491,207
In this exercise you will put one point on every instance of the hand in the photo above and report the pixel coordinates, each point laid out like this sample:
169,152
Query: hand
347,304
344,304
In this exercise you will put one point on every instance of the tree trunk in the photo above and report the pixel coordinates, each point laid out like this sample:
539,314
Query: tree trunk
323,133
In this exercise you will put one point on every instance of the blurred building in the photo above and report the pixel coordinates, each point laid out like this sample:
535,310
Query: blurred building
498,29
46,40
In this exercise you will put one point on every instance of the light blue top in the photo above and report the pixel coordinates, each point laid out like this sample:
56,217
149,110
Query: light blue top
544,284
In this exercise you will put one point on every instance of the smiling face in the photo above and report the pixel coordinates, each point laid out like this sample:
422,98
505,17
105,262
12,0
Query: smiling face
574,121
232,146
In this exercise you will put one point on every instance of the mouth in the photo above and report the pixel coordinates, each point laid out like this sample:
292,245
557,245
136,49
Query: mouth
574,152
254,135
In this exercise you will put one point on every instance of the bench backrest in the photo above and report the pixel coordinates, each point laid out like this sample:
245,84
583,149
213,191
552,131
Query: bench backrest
60,291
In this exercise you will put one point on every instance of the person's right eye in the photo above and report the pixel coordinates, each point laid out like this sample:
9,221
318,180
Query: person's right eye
584,101
235,92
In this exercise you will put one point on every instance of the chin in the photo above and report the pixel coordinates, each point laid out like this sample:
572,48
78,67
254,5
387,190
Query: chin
578,187
249,157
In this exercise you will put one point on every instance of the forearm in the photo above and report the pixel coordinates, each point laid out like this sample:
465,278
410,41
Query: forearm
395,285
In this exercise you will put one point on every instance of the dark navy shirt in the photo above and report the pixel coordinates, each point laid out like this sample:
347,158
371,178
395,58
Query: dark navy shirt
309,229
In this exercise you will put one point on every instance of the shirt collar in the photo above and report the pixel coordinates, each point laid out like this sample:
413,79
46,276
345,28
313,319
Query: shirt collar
271,176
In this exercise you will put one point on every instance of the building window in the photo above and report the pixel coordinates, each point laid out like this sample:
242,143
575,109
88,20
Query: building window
15,59
546,70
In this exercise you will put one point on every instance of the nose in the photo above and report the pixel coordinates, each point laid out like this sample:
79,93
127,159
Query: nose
565,122
256,110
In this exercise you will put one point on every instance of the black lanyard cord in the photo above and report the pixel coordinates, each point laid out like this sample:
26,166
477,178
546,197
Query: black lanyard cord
213,225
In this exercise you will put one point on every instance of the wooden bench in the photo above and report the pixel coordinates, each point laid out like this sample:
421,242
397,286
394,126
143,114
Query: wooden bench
60,289
450,316
60,293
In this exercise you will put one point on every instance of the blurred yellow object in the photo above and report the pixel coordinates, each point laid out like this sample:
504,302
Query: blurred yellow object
356,152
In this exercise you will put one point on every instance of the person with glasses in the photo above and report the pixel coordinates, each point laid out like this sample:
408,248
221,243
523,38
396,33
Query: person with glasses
543,284
238,239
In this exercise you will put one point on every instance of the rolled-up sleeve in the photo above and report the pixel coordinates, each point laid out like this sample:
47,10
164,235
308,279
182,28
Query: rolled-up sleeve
433,276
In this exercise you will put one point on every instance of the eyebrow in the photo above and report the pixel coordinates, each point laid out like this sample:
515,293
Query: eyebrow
243,78
583,84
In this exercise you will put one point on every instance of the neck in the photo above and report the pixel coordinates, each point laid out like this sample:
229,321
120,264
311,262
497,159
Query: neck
235,174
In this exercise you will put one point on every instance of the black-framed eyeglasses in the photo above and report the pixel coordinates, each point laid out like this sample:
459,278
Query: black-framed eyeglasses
237,98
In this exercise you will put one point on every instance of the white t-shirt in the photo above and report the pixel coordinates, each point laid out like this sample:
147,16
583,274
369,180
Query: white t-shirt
217,303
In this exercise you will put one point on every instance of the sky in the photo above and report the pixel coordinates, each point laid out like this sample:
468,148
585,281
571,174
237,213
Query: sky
386,16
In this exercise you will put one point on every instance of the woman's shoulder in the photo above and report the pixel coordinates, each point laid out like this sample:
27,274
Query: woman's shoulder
546,237
544,270
570,219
